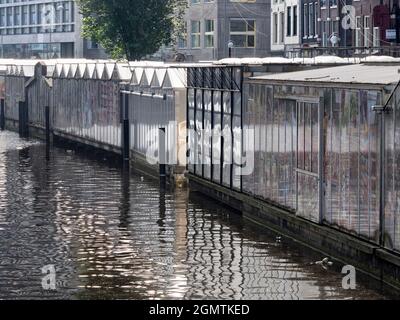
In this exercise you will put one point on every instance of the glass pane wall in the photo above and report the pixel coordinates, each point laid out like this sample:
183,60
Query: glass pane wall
215,120
351,162
392,174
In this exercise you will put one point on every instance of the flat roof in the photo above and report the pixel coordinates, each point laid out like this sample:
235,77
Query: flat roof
351,74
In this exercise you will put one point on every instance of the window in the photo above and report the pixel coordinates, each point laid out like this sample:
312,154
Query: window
305,21
289,21
275,27
359,31
377,37
209,34
182,39
367,31
195,34
311,23
243,33
282,27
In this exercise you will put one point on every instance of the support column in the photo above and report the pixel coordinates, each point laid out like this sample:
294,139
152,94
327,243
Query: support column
162,156
23,119
2,116
124,100
48,131
47,122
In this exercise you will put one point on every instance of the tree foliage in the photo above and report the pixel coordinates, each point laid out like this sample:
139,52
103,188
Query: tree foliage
130,29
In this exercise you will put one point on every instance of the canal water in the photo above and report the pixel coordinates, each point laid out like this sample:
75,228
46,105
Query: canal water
110,237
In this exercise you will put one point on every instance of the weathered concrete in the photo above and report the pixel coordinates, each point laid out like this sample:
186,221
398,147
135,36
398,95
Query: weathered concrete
380,264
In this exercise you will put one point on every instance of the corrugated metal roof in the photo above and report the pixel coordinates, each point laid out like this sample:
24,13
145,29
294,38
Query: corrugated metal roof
354,74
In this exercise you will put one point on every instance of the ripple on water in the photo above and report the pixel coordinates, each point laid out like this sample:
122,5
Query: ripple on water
113,238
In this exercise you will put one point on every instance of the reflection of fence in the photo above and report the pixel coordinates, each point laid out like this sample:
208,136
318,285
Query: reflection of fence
311,52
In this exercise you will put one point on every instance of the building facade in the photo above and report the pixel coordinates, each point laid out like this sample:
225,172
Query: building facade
377,23
43,29
322,23
285,25
211,25
355,23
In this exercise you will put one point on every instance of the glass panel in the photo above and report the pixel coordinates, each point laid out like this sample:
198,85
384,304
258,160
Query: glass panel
237,143
300,136
268,194
248,126
397,172
374,99
307,193
227,136
192,137
275,153
281,158
207,135
199,130
354,147
292,131
392,176
216,139
307,136
307,182
259,164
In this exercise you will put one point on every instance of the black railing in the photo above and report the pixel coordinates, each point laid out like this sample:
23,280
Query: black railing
344,52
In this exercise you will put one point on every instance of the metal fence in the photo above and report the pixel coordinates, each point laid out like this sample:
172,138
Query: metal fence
90,100
156,100
88,109
14,93
215,124
344,52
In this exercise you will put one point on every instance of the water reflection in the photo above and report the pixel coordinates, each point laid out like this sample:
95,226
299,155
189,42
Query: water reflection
111,236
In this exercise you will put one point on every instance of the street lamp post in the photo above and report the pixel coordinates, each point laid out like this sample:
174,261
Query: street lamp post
230,47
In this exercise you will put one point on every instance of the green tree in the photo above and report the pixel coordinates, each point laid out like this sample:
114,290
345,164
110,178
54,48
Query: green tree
179,24
129,29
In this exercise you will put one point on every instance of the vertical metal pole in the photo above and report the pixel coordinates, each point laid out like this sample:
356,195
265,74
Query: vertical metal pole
241,125
321,160
125,130
188,146
2,116
382,179
21,118
203,116
194,148
47,121
231,129
222,154
162,154
126,140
